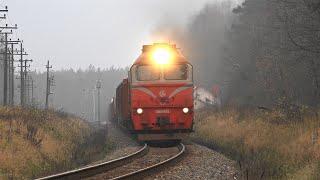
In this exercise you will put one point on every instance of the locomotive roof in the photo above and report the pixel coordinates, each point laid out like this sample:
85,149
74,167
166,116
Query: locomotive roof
147,50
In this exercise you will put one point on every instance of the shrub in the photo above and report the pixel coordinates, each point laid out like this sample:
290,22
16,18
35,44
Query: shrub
262,142
35,142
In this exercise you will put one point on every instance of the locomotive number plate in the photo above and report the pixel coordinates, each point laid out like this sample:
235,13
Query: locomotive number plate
163,111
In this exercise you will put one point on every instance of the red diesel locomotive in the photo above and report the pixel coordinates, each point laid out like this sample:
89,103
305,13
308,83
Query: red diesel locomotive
155,102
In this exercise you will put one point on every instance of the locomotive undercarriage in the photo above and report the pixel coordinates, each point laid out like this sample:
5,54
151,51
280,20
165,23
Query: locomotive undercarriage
162,135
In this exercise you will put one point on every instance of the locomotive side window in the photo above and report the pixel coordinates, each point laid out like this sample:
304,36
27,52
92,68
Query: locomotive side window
148,73
176,72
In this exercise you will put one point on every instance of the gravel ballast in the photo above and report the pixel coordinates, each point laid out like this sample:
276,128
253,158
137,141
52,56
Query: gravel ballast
200,163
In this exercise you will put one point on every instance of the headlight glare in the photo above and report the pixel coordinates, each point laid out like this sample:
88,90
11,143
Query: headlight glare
139,111
185,110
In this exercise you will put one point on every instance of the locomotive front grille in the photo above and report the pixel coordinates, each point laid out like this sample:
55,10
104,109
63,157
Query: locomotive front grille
163,121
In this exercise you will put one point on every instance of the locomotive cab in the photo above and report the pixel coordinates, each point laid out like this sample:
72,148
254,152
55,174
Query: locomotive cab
150,74
161,94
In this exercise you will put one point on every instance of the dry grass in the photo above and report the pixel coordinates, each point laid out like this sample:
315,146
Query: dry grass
34,142
263,145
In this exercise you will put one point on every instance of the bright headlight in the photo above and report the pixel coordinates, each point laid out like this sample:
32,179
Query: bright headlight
185,110
162,56
139,111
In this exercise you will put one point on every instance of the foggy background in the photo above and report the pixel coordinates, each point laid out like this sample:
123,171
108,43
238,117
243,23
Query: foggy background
77,33
259,53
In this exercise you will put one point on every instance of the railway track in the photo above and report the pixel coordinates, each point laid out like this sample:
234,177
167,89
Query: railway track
99,168
133,166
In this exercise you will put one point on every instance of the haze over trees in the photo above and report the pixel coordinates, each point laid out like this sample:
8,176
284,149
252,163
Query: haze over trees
265,56
75,90
262,53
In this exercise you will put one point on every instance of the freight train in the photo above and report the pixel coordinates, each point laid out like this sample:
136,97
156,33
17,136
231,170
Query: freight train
155,102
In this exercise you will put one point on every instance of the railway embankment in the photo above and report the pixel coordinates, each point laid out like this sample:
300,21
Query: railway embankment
199,162
266,144
35,143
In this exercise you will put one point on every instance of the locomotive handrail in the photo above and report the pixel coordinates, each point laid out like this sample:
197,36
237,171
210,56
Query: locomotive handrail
96,169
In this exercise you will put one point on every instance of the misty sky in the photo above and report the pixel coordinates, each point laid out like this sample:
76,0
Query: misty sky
76,33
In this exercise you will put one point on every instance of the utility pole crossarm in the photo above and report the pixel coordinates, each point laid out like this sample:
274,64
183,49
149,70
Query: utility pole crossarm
10,41
4,10
3,17
21,54
9,27
11,32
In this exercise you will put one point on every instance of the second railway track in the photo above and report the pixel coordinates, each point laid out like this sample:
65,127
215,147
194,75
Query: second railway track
135,165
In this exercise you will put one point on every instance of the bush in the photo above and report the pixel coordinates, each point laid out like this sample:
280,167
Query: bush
35,143
262,142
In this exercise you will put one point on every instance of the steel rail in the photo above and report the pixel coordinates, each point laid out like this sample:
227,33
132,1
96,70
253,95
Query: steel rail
89,171
140,173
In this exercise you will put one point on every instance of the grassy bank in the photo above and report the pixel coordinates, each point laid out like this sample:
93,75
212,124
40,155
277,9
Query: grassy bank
264,143
34,143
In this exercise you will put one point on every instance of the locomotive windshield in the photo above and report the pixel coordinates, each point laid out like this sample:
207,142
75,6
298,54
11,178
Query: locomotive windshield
148,73
176,72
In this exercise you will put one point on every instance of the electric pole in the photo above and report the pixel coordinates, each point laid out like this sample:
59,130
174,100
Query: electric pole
94,105
22,91
32,90
5,81
21,77
12,77
98,86
5,76
8,61
26,89
10,57
9,67
48,89
29,89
